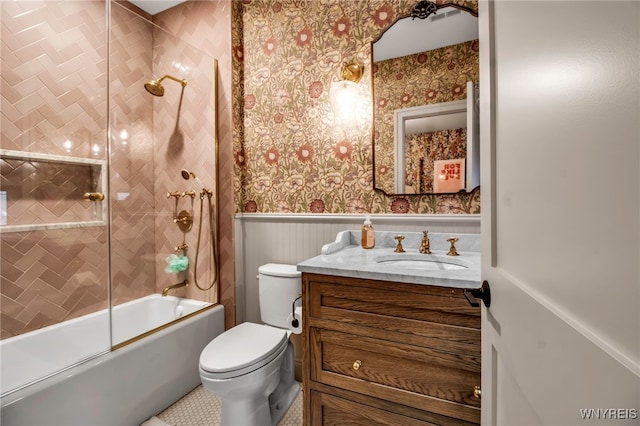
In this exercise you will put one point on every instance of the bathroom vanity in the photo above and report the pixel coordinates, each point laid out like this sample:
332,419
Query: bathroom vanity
390,338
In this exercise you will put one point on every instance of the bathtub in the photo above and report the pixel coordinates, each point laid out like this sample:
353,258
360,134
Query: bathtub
120,387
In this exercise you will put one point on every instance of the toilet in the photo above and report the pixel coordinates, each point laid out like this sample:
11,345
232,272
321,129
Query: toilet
251,367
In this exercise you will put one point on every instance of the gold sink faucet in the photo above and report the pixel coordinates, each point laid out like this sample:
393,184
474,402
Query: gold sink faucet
425,245
399,248
452,250
184,283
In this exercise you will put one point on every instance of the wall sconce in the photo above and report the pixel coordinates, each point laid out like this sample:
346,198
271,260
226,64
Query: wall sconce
345,94
352,71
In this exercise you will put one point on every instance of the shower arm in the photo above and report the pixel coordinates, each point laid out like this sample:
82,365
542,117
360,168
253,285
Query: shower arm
170,77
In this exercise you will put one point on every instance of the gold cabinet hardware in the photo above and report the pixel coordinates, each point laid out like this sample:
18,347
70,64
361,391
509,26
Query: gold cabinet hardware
452,249
476,391
357,364
93,196
399,248
176,194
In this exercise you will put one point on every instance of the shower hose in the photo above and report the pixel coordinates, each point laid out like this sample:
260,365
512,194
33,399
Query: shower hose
213,243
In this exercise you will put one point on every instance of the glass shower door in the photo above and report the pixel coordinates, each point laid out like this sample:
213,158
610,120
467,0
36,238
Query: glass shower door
53,217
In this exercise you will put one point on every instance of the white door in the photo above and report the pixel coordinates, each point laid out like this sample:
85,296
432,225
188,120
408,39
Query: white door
560,148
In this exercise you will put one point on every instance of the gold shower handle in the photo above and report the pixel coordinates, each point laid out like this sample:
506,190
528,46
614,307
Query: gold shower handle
93,196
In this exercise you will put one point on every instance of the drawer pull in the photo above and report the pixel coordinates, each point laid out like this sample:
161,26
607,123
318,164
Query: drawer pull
357,364
476,391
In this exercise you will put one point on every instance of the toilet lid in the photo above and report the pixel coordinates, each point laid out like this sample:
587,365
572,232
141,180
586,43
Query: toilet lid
244,345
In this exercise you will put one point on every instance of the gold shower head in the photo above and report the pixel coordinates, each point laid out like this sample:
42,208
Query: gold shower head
156,88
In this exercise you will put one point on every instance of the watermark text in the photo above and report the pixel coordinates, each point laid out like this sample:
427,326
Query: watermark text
609,413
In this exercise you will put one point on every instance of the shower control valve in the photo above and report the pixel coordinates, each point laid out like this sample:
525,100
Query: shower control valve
184,220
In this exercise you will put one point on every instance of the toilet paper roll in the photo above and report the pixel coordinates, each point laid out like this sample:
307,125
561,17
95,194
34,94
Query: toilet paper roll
298,316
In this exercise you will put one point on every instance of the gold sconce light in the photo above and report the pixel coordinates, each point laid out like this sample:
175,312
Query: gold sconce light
345,94
352,71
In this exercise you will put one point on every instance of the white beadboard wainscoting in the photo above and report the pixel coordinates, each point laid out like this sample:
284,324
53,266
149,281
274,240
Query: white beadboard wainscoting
262,238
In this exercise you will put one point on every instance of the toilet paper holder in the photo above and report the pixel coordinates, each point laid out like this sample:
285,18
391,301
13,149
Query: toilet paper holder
294,323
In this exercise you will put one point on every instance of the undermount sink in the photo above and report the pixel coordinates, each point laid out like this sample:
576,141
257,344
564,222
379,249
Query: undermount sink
421,261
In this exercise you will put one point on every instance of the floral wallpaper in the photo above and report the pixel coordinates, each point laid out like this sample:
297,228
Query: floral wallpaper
425,148
290,155
436,76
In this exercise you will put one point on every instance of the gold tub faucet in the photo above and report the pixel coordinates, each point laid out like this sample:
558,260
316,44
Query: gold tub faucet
184,283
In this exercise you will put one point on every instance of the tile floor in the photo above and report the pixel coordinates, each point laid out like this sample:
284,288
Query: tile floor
201,408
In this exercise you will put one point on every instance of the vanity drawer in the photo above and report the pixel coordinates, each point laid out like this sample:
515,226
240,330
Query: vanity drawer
424,378
421,315
349,409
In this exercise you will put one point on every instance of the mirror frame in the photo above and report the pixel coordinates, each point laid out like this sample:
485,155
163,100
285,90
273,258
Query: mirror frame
371,64
401,116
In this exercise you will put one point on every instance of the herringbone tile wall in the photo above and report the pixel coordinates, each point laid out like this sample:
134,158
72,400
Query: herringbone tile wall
131,182
52,276
54,93
206,25
54,89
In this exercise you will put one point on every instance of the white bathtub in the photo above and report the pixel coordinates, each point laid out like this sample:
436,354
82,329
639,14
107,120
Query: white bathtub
121,387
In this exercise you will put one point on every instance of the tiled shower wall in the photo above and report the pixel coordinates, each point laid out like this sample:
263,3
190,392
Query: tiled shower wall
54,89
131,178
206,27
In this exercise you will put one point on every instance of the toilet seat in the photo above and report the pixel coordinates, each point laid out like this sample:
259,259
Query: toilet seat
242,349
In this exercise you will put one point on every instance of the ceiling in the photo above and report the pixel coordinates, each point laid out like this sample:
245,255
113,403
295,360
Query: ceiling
155,6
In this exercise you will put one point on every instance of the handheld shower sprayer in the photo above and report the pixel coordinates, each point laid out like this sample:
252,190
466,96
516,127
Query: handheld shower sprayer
186,175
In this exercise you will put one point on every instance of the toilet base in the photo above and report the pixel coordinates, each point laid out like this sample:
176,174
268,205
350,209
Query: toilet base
263,408
288,389
253,412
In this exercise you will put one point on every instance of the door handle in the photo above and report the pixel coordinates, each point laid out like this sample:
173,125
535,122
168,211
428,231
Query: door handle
483,293
93,196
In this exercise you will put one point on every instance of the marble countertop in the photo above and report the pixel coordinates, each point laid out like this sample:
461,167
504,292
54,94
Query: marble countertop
344,257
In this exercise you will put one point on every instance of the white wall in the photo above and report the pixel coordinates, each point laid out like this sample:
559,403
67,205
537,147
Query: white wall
292,238
560,120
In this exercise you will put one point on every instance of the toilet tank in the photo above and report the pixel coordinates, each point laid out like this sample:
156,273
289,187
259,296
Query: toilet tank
278,285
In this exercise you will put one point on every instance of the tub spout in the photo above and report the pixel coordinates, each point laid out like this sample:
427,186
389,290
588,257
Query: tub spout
184,283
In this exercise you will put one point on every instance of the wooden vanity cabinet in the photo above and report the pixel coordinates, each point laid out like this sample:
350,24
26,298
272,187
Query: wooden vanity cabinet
388,353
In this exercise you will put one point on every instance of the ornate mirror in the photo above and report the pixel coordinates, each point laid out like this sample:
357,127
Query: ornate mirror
424,77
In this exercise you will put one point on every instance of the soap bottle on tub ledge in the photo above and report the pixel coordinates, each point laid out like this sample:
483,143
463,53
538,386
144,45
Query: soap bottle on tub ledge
368,240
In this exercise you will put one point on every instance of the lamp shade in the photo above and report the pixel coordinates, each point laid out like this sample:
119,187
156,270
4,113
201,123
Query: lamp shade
344,96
